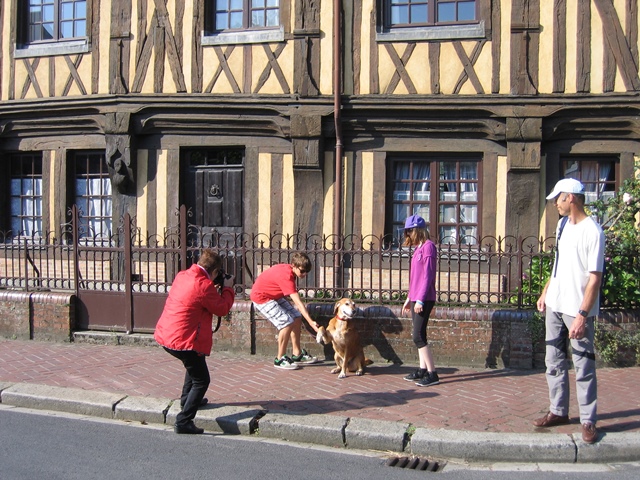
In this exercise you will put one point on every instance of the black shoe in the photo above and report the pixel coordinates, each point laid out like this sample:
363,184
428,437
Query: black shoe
417,375
203,403
189,428
429,380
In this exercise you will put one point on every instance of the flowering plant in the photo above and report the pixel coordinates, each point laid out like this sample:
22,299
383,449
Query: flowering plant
619,220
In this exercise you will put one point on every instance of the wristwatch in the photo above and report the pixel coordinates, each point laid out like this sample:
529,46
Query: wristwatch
584,313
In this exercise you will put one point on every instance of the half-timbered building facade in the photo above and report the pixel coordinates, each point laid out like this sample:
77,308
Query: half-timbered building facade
313,115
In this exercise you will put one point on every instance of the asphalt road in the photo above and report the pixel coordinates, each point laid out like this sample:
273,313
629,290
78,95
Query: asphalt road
51,446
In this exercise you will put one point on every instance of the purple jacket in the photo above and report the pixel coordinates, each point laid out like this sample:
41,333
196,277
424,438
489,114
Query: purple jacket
422,277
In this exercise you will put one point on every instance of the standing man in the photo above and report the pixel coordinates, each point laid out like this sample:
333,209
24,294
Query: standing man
571,298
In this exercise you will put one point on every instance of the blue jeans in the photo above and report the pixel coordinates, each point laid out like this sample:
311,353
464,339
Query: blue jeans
584,363
196,383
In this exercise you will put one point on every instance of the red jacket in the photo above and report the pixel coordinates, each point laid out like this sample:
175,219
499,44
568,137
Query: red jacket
185,323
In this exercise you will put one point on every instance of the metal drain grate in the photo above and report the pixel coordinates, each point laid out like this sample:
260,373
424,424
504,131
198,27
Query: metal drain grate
415,463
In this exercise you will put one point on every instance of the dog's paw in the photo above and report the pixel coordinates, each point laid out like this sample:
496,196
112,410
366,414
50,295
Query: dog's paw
342,375
319,337
335,370
359,372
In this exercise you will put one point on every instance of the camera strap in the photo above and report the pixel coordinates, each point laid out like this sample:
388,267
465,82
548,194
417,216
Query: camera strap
217,325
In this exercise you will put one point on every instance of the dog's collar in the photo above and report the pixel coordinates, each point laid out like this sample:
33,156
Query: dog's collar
341,318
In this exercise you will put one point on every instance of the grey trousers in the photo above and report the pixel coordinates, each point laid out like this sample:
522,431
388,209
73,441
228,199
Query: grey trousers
584,363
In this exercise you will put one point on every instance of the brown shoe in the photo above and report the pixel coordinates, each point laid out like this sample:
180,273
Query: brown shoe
589,433
551,420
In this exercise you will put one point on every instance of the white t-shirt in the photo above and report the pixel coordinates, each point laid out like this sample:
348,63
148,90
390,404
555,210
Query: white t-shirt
580,251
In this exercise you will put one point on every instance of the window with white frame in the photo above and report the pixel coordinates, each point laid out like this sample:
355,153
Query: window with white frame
230,15
93,195
416,13
444,191
26,195
47,21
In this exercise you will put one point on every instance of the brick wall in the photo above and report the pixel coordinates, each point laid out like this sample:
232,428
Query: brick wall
37,315
458,336
53,316
14,315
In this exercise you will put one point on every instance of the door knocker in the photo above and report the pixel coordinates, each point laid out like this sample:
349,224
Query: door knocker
215,191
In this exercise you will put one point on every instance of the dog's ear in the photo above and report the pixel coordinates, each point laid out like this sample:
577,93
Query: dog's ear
336,306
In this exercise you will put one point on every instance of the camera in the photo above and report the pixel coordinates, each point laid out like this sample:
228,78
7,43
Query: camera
222,276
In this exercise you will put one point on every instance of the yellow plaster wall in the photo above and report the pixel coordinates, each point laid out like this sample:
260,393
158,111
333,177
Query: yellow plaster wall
622,14
260,61
505,48
264,192
329,192
54,192
142,191
545,82
367,193
162,191
288,195
365,46
187,45
105,28
501,196
348,186
326,48
572,32
597,52
4,54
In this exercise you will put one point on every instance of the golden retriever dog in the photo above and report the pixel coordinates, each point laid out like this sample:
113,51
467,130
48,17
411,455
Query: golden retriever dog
349,355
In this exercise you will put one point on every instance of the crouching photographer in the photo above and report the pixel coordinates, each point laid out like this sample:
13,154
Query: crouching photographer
184,329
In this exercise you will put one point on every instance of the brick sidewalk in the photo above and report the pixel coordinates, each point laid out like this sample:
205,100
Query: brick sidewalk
467,399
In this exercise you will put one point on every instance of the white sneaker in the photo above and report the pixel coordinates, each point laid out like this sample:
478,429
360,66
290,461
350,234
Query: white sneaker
304,357
285,363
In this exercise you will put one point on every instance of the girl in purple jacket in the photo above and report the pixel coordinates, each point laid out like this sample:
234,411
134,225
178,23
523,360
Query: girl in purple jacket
422,296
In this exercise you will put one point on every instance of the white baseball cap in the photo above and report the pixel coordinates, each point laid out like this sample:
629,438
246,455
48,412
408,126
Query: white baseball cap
566,185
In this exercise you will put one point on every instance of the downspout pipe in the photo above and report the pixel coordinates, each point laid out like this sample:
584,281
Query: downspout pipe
337,107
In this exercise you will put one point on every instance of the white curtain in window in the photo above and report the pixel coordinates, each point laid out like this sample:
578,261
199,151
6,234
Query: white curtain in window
26,206
94,201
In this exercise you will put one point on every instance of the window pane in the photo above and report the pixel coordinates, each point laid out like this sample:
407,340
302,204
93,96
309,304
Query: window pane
257,3
47,32
257,19
399,14
48,14
273,3
466,11
81,10
419,14
66,30
236,5
80,28
446,12
235,20
66,12
222,21
273,18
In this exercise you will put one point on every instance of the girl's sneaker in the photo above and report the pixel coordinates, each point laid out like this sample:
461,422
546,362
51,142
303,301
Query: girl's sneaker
304,357
429,380
285,363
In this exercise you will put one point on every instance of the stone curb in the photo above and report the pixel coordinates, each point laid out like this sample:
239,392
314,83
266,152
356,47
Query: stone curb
332,430
70,400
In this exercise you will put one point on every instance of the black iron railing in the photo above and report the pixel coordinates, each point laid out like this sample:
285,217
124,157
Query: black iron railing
507,271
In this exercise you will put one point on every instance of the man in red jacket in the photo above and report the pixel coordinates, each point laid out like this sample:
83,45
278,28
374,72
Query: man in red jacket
184,329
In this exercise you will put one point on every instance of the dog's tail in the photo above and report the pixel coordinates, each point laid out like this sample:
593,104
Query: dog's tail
368,361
